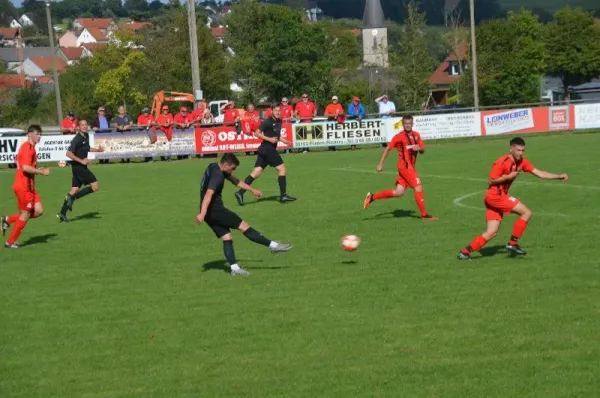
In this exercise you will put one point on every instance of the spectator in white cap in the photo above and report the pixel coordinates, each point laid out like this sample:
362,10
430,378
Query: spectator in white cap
333,110
386,107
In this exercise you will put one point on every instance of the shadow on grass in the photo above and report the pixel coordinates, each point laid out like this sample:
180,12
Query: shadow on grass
349,262
399,213
34,240
93,215
274,198
494,251
221,265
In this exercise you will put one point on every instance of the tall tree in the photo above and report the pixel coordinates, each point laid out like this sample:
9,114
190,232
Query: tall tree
116,6
135,5
514,77
7,12
573,43
414,63
279,51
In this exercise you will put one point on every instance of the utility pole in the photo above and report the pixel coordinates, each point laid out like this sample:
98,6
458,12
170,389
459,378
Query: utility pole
474,55
54,62
194,49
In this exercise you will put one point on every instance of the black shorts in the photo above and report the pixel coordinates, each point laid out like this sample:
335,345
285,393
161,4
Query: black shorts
268,157
222,220
82,176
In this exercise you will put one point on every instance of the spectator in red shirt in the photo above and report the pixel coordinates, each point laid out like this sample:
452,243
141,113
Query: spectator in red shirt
332,112
146,121
183,119
231,115
306,109
165,123
197,113
287,111
69,124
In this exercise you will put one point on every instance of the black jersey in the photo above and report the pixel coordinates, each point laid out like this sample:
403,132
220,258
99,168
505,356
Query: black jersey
214,179
270,127
80,147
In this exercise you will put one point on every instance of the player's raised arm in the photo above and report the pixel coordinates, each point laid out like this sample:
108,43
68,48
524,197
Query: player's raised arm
384,156
545,175
240,184
99,149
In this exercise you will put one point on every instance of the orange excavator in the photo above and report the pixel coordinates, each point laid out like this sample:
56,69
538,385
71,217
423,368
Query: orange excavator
170,96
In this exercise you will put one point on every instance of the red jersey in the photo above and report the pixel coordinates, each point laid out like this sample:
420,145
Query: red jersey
305,111
145,120
165,119
407,158
180,119
197,114
250,122
68,124
229,115
25,157
503,166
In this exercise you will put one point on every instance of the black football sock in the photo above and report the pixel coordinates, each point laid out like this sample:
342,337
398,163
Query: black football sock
229,253
256,237
64,207
249,180
282,185
85,191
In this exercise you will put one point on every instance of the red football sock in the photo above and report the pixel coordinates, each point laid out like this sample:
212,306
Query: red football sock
420,199
16,232
475,245
383,194
12,219
518,230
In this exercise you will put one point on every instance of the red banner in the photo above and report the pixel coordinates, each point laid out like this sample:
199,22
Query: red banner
225,139
527,120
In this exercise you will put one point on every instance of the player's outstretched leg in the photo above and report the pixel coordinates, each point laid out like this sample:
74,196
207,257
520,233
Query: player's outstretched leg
230,256
257,237
420,200
74,194
480,240
518,229
7,221
239,195
387,194
282,180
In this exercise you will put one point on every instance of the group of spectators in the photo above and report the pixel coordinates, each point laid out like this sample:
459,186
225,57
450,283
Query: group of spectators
304,111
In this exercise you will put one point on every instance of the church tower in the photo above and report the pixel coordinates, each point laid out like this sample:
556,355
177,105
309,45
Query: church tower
374,35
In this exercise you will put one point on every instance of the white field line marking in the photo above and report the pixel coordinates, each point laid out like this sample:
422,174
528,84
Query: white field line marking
458,202
556,184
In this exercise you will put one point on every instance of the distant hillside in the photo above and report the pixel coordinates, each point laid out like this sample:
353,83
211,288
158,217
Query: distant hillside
549,5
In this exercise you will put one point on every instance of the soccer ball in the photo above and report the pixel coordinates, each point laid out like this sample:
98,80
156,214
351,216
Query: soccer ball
62,163
350,242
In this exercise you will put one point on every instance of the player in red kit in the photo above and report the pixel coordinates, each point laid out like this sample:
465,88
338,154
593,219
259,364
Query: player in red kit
498,203
408,143
29,202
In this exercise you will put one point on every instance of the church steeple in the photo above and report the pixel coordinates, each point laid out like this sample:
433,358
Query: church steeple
374,34
373,16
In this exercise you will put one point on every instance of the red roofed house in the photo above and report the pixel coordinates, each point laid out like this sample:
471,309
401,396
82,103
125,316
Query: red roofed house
69,39
105,25
448,72
94,47
10,81
74,54
219,33
91,35
133,26
8,37
45,65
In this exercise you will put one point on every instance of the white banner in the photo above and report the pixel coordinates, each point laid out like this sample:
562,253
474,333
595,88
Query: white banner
587,116
51,148
503,122
433,127
351,132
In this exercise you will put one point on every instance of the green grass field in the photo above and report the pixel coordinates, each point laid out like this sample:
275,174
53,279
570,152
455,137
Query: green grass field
131,299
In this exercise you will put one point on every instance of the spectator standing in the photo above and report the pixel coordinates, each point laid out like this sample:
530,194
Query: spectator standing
287,111
123,123
386,107
332,111
357,111
305,110
197,113
207,118
165,123
231,116
101,124
69,124
146,121
183,120
250,121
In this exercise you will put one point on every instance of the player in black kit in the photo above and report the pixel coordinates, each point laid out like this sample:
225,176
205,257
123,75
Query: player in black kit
78,153
270,132
220,219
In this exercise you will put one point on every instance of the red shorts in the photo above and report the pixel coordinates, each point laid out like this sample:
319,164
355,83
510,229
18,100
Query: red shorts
499,205
27,200
408,177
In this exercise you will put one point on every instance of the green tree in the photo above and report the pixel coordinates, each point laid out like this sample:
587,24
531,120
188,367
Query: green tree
117,86
511,77
414,64
7,12
573,43
116,6
135,5
277,50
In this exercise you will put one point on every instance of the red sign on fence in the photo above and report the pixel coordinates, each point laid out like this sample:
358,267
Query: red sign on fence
225,139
